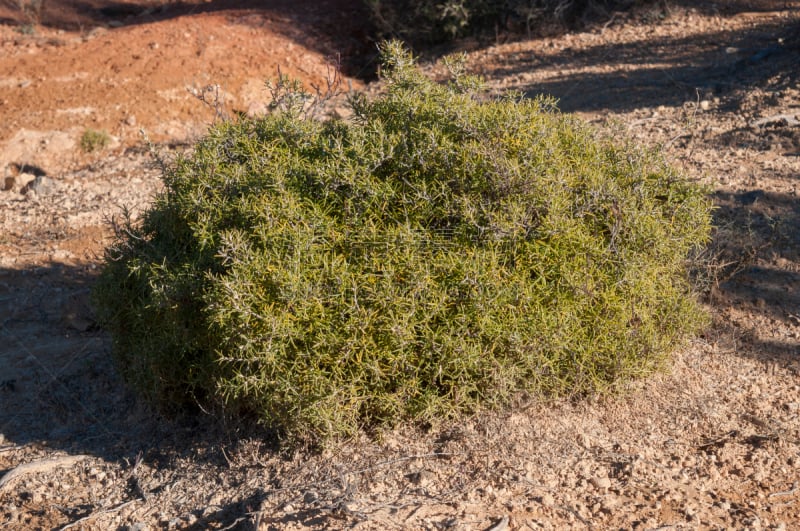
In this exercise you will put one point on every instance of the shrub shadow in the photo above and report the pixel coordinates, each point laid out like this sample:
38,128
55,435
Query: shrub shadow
59,386
759,234
661,71
60,391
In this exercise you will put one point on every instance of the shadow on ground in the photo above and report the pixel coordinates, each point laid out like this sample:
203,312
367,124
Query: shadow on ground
59,390
59,386
656,71
758,237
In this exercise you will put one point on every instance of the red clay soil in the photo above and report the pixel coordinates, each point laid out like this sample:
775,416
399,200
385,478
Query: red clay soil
125,66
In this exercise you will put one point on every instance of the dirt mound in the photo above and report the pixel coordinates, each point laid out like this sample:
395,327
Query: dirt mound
123,67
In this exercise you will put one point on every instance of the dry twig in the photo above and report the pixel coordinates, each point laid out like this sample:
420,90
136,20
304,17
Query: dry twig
502,525
789,492
42,465
96,514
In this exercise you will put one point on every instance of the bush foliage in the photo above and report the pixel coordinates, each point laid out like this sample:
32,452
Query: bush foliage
92,140
437,255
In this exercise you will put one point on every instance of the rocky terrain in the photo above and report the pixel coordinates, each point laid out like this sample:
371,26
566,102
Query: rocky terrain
711,443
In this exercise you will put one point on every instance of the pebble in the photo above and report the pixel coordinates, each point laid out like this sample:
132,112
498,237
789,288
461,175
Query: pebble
257,109
600,482
610,503
42,186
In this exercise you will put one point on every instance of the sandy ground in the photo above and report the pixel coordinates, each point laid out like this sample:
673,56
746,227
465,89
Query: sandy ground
714,443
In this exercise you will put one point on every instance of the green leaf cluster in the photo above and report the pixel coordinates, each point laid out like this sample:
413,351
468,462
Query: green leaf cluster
92,140
441,253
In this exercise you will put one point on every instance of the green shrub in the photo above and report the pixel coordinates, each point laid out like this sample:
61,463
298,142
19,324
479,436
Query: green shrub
92,140
438,255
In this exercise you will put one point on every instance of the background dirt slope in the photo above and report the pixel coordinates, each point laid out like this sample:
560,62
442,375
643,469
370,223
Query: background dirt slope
122,67
712,444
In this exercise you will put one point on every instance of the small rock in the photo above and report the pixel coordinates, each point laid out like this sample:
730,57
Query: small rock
138,526
78,323
40,185
420,477
257,109
609,504
548,500
99,30
600,483
342,112
705,105
8,183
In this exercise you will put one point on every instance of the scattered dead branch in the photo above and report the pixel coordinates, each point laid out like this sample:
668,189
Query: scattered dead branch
789,492
212,96
502,525
95,514
777,119
42,465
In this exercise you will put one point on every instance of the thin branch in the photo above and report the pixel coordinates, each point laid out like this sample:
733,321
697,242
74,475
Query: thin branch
234,524
42,465
785,492
96,514
400,460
